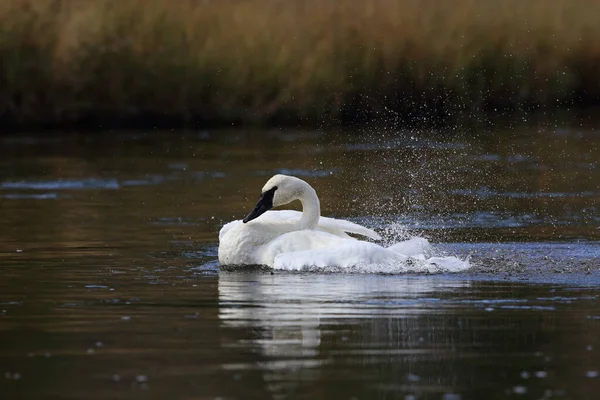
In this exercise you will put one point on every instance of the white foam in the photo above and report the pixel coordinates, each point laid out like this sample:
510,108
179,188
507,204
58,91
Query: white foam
409,256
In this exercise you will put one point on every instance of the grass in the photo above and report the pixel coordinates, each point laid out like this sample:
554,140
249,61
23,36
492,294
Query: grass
291,61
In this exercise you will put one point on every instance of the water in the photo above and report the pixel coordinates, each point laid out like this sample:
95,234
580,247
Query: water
110,286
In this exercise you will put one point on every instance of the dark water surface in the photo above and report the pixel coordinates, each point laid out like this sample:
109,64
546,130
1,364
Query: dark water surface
110,286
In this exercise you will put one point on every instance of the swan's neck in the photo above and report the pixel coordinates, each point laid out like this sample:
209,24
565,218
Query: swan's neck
311,209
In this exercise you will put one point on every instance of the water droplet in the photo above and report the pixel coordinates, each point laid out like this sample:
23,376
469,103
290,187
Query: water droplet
520,389
541,374
451,396
126,318
591,374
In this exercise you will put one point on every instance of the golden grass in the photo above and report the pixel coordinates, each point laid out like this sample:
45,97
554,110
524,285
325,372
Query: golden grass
64,61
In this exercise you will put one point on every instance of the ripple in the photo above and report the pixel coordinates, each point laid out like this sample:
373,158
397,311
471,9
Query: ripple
150,180
76,184
36,196
178,221
60,184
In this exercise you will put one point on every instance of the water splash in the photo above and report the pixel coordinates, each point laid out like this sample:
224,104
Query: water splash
299,172
400,253
395,232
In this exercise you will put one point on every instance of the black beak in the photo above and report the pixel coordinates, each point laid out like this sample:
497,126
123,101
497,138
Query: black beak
265,203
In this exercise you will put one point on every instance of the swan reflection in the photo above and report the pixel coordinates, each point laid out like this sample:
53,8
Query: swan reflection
289,313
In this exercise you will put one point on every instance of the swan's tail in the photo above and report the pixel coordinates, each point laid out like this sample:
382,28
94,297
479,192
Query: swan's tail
361,230
348,227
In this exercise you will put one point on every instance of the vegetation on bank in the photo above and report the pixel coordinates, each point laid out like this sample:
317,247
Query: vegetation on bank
295,61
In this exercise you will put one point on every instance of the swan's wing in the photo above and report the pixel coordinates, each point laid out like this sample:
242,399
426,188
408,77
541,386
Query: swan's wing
269,218
345,254
295,241
227,227
337,226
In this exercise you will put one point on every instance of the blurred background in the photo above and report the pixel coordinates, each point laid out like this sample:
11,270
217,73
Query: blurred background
146,63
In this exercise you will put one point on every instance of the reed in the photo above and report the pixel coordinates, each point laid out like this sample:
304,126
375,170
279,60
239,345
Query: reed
291,61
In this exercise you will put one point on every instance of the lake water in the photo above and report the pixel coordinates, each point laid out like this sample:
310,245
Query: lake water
110,285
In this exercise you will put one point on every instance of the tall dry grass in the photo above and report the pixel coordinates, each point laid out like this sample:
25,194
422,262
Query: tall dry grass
67,61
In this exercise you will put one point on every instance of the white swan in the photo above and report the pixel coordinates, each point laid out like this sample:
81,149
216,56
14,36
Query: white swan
295,240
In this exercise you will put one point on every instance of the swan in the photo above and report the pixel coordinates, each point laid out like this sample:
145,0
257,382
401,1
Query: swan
293,240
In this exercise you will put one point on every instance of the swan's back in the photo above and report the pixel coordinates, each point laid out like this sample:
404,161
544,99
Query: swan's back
337,227
245,243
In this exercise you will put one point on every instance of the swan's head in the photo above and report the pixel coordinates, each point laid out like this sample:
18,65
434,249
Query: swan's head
279,190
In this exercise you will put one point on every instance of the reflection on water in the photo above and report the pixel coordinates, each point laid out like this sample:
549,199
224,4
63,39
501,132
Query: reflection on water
288,310
110,286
